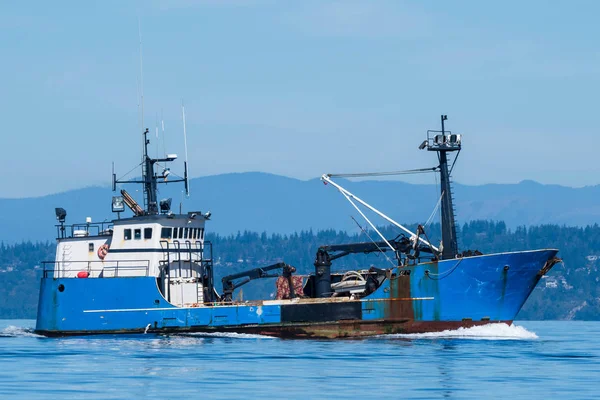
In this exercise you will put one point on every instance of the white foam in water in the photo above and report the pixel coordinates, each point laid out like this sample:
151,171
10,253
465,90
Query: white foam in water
231,335
17,331
484,332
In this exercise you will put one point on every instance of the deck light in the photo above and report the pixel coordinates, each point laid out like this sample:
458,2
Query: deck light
454,139
118,205
61,214
165,205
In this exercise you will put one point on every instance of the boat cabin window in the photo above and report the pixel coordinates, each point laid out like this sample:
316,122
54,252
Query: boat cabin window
137,234
194,232
127,234
180,233
185,233
165,233
91,246
147,233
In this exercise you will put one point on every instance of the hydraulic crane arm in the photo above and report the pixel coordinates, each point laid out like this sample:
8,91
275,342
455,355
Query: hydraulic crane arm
229,284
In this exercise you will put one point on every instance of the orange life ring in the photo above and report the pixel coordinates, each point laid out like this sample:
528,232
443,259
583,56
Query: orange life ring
102,251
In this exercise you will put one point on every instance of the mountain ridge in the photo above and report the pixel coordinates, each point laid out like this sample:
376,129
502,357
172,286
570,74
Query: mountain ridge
260,201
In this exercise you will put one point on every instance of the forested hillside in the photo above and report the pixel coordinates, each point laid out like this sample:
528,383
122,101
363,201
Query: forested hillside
570,291
20,274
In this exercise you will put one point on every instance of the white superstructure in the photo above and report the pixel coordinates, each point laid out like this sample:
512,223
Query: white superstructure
168,247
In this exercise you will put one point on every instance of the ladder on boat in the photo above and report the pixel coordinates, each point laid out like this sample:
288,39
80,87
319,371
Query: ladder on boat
182,261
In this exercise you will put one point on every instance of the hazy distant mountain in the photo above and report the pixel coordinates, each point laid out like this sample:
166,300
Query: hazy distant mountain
263,202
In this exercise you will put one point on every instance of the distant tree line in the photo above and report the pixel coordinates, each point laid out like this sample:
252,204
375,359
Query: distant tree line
20,274
570,292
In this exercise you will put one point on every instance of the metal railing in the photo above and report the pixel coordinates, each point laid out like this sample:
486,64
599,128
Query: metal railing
104,269
83,229
196,251
443,140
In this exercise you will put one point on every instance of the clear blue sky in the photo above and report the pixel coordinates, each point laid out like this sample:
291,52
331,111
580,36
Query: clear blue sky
299,88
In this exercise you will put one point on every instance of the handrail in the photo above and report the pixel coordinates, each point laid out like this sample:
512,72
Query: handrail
166,271
194,249
91,229
115,265
174,247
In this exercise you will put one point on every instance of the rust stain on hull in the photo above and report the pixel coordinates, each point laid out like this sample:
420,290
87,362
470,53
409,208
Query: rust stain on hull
399,310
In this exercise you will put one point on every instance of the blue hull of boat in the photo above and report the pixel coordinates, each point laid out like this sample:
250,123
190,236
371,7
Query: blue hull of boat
433,296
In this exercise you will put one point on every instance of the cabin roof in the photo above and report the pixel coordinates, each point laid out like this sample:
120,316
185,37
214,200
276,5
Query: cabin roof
160,218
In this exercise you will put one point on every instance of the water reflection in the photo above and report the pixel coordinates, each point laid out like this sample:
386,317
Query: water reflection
445,367
190,365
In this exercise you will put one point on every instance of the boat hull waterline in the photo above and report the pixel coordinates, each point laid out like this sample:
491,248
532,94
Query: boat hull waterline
427,297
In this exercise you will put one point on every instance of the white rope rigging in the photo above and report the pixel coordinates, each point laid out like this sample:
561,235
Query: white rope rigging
435,210
349,196
372,241
367,219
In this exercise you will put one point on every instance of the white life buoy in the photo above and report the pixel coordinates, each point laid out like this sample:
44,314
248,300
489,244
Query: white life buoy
102,251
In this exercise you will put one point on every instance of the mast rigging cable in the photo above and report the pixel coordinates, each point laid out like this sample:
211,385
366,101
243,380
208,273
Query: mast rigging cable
405,172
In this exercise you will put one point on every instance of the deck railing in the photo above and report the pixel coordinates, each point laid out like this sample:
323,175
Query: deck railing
84,230
97,269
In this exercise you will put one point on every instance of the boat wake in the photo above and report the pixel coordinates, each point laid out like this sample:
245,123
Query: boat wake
17,331
230,335
484,332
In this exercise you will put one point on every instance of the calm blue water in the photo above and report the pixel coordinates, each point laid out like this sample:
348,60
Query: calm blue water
529,360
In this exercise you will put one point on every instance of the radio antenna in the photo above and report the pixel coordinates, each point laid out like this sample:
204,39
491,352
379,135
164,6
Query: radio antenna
156,134
162,121
137,98
144,144
141,71
185,164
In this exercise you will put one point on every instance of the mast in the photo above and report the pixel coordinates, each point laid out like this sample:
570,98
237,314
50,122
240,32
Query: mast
150,179
444,142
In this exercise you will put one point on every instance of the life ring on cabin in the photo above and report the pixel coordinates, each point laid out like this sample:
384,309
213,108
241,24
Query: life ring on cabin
102,251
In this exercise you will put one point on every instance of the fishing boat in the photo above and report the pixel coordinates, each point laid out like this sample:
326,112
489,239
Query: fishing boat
153,272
